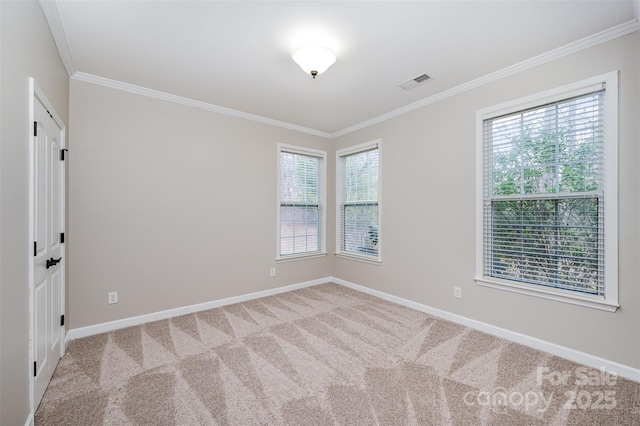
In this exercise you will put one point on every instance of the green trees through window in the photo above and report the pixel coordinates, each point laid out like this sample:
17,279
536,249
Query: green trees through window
543,216
300,203
358,192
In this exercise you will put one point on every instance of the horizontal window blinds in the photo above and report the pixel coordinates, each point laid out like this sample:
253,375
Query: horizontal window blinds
358,199
544,195
301,211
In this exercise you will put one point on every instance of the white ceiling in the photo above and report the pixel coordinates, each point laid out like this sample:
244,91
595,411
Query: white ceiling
237,54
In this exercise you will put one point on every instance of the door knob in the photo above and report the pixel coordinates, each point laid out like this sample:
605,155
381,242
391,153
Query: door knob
53,262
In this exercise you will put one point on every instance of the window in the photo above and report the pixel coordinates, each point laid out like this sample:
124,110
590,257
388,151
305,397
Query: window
548,204
358,201
301,210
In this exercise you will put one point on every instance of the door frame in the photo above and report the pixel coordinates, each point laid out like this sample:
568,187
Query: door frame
36,92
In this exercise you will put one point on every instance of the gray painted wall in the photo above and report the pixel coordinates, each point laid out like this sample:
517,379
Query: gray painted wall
428,220
171,205
152,180
27,50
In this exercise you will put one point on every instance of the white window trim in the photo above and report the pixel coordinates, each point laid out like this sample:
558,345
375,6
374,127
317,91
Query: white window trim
608,302
323,203
377,260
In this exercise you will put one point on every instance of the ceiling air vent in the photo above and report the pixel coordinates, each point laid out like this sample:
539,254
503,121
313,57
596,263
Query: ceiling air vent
414,82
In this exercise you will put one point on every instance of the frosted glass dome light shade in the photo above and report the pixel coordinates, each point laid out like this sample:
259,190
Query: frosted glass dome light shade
314,60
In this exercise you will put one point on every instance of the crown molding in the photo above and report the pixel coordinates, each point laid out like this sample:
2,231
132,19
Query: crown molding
50,9
53,18
156,94
568,49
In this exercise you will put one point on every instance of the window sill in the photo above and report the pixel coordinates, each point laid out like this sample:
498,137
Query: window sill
367,259
297,257
594,302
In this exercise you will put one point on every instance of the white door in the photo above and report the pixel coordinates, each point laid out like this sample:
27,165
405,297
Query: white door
47,177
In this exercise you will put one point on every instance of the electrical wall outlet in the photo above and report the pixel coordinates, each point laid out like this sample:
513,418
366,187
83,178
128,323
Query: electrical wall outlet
273,272
457,292
113,297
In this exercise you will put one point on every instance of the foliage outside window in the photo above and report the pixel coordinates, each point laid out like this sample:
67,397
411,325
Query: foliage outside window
301,202
358,201
544,216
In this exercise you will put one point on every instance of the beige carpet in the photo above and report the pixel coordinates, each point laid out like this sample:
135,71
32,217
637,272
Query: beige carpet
323,355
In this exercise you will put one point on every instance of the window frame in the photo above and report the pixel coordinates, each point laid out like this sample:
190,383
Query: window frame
340,205
322,202
608,302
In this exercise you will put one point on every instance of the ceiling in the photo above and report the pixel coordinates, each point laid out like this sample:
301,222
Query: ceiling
236,55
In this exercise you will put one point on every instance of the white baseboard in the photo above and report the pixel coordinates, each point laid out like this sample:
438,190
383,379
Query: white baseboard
29,421
90,330
552,348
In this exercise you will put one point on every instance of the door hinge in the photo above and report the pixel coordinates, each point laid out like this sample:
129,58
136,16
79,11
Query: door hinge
62,238
35,128
61,320
62,153
35,368
35,248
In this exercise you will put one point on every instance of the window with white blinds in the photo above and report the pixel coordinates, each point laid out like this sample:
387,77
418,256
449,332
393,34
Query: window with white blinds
301,210
358,201
544,197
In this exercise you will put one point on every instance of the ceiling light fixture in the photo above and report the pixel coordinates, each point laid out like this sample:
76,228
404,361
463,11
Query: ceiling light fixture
314,59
